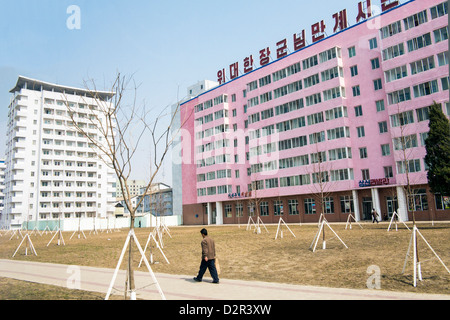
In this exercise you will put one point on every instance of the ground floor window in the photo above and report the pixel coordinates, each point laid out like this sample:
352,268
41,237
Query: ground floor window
347,204
264,208
293,207
310,206
328,205
239,210
278,207
228,211
418,200
442,202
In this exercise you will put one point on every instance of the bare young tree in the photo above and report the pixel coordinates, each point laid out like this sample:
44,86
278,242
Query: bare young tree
120,128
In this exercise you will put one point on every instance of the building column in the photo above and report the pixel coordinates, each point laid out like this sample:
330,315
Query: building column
209,211
356,205
376,202
219,213
402,204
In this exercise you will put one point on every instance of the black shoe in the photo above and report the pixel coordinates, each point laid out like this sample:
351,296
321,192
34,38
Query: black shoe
197,279
216,282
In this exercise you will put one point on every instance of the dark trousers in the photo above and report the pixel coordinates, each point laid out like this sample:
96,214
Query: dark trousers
211,265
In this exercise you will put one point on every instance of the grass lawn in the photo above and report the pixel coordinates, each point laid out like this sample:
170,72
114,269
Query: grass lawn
249,256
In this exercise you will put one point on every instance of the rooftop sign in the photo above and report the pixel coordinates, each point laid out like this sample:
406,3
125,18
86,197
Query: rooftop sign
365,11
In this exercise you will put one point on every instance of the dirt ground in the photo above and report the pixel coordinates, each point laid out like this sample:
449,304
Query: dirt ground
249,256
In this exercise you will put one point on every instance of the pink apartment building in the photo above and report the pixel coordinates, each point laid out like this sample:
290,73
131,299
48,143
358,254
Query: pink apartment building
319,129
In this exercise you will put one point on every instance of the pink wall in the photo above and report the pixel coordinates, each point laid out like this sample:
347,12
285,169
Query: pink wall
357,36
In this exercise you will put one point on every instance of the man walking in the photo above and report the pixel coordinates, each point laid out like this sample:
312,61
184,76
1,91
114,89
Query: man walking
208,258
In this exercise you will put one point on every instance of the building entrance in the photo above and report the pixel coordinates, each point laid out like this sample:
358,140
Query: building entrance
367,208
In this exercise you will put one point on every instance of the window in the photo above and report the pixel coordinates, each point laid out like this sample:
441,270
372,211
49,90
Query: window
328,203
351,52
265,97
278,207
383,126
265,81
310,62
333,93
361,132
441,34
336,113
423,114
228,211
356,91
252,86
380,105
313,99
445,83
264,208
365,174
418,200
377,84
425,89
340,153
415,20
393,52
373,43
401,119
293,207
443,58
354,71
439,10
329,54
347,205
375,63
395,74
337,133
358,111
419,42
363,153
317,137
441,202
341,174
310,206
399,96
411,166
271,183
315,118
405,142
311,80
391,30
385,150
388,173
422,65
331,73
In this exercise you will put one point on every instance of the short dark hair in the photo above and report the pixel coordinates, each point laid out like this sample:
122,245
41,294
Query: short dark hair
204,231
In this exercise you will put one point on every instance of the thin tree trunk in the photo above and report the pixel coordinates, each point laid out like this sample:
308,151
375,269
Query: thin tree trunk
131,283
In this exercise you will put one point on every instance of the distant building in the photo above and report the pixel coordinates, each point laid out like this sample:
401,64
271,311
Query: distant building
134,186
158,201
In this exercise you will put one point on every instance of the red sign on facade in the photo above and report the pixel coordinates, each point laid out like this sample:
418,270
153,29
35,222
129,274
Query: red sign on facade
318,32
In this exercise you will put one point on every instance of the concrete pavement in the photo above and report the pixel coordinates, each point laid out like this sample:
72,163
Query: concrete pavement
182,287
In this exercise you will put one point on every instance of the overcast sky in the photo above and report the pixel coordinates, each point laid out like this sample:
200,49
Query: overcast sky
167,45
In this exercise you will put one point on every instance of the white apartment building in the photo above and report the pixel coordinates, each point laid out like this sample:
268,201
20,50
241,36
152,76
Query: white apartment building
52,171
134,186
2,186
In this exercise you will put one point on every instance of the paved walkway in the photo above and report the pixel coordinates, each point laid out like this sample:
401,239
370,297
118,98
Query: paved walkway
182,287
